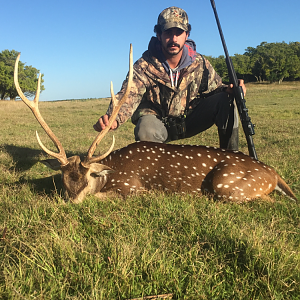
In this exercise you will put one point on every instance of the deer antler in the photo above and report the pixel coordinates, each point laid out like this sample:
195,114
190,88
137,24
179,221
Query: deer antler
33,105
116,107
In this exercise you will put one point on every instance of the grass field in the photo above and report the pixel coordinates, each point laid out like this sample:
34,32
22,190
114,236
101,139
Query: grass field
189,247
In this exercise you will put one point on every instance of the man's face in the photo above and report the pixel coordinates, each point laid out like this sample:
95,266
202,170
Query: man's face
172,41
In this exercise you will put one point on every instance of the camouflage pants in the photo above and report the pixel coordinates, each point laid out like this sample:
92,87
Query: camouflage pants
216,110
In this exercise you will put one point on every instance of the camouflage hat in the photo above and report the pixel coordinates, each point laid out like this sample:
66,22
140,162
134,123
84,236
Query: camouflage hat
173,17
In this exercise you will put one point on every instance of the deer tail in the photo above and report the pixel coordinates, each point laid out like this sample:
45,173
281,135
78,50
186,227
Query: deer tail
283,188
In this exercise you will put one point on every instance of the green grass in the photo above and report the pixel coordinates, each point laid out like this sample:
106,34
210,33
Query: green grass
191,247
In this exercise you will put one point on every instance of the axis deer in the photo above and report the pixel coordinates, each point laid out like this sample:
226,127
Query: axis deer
143,166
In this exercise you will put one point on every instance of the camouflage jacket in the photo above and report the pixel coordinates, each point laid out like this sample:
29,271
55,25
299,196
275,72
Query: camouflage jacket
153,93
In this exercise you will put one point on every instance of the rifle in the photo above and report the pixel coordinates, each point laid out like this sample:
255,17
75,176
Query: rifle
248,127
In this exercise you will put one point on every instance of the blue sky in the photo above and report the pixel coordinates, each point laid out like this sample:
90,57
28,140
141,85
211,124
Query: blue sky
80,46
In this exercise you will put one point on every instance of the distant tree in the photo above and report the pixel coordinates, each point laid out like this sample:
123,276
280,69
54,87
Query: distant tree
275,61
242,67
295,66
219,64
257,61
27,76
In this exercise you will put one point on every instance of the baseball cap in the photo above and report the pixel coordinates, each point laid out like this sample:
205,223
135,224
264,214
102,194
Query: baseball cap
173,17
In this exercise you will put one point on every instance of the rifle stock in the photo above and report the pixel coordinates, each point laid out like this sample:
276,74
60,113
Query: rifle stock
240,101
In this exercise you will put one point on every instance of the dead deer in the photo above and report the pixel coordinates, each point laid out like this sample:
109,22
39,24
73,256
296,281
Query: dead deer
144,166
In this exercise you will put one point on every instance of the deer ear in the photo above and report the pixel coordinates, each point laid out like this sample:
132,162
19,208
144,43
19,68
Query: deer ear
53,164
100,170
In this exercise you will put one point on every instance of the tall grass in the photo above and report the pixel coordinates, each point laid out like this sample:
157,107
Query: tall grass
190,247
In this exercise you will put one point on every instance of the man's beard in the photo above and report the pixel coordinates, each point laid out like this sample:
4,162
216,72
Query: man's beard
172,52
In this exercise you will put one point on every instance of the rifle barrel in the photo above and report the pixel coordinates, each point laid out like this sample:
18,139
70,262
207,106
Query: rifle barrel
248,127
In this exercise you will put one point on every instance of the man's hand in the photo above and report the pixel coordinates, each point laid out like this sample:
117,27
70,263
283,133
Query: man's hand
103,122
229,90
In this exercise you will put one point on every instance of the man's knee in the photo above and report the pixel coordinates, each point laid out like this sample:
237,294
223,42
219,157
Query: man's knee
149,128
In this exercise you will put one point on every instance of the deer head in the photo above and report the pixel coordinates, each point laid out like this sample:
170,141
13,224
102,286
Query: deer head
79,177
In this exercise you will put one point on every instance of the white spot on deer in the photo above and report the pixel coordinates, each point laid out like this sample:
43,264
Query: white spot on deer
225,174
186,167
199,154
203,164
215,160
219,185
148,157
226,186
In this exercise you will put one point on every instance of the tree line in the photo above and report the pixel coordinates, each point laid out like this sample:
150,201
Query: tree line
272,62
28,76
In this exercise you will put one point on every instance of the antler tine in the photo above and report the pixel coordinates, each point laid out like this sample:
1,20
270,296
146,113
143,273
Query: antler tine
116,107
33,105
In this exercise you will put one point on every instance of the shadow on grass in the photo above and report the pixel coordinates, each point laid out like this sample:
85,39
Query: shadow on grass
25,157
47,185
